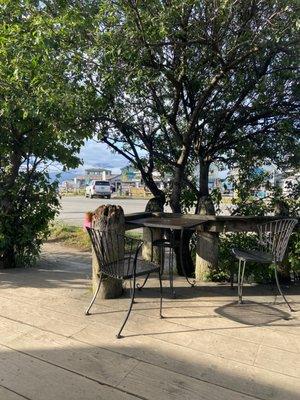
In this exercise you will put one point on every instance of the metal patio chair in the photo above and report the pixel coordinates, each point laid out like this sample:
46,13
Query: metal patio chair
273,241
118,257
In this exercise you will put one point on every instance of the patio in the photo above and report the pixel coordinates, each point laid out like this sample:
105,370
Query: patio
207,347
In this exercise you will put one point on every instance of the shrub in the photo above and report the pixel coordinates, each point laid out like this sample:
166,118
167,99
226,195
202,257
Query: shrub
228,263
35,202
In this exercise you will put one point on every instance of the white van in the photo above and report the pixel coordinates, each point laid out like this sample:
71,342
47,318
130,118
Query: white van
98,189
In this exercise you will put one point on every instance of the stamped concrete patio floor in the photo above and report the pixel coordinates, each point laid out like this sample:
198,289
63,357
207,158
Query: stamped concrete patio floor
206,347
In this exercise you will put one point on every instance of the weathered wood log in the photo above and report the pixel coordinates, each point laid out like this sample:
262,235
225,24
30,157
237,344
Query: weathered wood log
207,243
107,218
153,205
206,254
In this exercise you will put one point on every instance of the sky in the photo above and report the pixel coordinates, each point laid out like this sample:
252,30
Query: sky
96,154
92,155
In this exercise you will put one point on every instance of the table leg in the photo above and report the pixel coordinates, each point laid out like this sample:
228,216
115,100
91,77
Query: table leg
181,260
138,286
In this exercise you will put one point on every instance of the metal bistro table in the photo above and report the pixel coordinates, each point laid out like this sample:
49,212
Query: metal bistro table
172,224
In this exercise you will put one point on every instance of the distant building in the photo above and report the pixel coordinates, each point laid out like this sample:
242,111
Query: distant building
131,176
275,177
94,174
115,181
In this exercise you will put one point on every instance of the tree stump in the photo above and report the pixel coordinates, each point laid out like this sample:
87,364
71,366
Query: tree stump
153,205
207,248
107,218
207,254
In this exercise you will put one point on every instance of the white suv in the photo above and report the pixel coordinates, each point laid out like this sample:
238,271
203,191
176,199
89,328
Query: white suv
99,189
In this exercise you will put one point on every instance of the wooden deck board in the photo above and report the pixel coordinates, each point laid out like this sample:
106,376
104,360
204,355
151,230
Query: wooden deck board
206,348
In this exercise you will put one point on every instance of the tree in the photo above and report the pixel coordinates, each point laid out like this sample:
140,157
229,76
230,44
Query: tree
37,126
186,83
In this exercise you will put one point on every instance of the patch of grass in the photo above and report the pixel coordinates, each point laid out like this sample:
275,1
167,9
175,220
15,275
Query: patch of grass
76,236
134,234
73,236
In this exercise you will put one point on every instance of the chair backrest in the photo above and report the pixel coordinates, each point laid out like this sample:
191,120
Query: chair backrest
274,236
110,248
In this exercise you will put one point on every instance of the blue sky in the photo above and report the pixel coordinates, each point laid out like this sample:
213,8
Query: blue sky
98,154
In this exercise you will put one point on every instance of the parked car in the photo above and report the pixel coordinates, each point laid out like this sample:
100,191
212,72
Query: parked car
98,189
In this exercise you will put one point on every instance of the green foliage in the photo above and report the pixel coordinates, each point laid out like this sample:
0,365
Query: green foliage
246,185
186,82
228,263
39,125
216,197
294,252
188,200
35,203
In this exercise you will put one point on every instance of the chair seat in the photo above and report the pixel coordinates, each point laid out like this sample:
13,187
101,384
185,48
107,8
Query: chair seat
253,255
124,268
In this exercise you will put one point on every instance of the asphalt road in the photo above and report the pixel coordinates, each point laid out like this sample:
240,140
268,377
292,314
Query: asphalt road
73,208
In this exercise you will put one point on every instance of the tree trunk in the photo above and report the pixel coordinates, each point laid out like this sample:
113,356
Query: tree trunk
159,195
176,190
107,218
205,205
207,243
153,205
175,204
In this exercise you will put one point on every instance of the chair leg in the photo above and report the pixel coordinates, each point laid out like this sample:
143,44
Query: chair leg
161,292
140,287
137,286
242,280
231,279
279,289
87,312
171,275
129,310
241,272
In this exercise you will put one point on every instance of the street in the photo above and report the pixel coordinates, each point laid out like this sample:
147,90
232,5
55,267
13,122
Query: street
73,208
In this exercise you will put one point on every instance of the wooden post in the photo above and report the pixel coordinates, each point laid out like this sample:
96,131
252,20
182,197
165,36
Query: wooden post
106,218
147,247
207,254
153,205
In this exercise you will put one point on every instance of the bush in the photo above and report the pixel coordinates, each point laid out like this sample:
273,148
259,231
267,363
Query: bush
228,264
34,202
294,252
